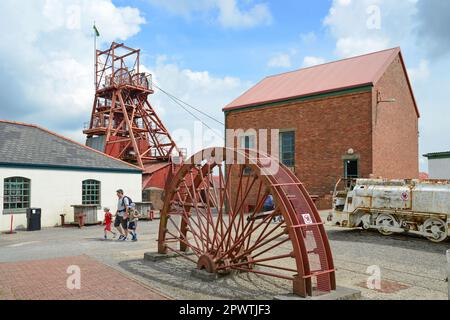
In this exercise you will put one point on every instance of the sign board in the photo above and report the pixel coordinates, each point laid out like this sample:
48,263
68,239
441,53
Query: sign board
405,196
307,218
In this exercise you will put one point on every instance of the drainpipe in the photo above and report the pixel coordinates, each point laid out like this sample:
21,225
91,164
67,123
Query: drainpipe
448,273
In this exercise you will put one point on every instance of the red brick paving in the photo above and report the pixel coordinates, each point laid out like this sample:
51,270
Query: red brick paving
46,280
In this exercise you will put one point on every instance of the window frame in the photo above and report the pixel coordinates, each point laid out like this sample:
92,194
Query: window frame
93,191
247,142
251,141
282,159
22,190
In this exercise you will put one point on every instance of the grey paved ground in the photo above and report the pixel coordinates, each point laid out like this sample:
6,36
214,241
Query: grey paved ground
413,268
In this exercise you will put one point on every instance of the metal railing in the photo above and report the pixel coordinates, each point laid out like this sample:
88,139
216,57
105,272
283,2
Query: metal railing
123,77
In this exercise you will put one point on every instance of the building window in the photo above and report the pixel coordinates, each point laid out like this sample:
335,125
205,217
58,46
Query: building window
247,142
287,148
91,192
16,194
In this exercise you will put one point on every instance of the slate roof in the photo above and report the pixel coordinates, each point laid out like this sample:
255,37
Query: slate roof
356,72
32,146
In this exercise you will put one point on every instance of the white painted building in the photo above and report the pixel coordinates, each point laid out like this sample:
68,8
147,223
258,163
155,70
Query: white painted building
40,169
439,165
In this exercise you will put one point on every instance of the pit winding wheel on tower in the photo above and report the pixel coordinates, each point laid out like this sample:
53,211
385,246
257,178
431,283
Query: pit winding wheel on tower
214,217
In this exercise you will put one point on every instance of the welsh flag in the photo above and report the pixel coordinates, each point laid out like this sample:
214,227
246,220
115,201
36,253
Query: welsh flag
97,33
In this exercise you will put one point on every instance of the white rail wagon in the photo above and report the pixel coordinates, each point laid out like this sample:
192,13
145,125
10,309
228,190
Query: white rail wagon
419,207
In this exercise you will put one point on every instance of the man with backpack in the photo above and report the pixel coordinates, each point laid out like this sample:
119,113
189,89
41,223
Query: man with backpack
122,215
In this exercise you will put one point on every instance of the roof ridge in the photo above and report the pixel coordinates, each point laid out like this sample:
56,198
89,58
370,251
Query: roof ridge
19,123
245,92
333,62
68,139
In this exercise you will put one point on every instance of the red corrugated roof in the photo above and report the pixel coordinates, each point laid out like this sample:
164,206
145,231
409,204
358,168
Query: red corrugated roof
334,76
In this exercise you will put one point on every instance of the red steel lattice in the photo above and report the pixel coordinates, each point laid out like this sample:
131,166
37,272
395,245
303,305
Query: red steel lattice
123,122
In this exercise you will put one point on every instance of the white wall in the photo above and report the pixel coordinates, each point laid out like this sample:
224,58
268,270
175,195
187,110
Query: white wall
54,191
439,168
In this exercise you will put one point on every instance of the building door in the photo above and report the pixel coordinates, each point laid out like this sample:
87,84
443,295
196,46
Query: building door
351,168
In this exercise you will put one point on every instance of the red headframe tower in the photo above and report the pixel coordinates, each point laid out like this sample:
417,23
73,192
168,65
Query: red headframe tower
123,122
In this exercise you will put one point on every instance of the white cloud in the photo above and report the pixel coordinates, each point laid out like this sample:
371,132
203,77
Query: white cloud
310,61
354,46
200,89
370,25
282,60
46,57
232,14
47,77
433,27
421,72
308,38
185,9
420,28
344,3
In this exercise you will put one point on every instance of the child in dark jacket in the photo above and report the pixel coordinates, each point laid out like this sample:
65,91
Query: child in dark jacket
134,218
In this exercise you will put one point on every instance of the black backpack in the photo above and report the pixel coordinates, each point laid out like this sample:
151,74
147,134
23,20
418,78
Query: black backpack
130,202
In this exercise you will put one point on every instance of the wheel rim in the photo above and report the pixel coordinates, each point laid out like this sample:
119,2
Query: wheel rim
435,230
122,76
214,210
385,221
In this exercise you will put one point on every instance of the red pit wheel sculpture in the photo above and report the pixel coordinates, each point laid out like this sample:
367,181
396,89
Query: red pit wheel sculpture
214,217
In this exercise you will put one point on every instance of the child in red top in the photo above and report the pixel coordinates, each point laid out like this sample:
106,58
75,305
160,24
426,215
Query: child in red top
107,222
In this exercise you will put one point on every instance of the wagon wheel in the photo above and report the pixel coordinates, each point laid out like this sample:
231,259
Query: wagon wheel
214,216
385,221
140,80
435,230
122,77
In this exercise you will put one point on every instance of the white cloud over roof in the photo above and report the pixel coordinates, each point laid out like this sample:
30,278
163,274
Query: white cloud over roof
47,57
232,14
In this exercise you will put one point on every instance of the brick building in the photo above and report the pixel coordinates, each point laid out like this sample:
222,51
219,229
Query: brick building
354,118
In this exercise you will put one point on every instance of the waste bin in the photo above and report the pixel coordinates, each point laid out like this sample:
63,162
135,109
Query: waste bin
33,219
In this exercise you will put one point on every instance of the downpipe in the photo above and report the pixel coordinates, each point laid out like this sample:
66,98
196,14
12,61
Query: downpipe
448,273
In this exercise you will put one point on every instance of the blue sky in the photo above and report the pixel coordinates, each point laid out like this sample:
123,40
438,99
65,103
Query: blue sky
202,44
207,52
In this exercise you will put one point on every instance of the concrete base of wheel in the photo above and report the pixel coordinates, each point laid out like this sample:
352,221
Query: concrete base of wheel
340,293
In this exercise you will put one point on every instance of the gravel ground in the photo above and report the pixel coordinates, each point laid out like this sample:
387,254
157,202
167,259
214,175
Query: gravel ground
411,268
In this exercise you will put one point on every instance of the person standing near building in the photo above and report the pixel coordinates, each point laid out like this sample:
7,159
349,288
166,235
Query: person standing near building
121,222
270,206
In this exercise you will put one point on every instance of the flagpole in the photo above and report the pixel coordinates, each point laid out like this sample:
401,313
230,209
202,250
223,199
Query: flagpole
95,59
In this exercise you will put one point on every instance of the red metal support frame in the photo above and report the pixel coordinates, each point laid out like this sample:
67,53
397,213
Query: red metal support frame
123,123
205,214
